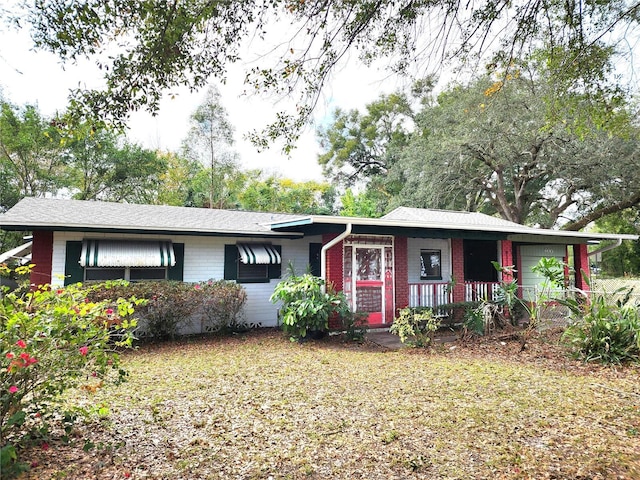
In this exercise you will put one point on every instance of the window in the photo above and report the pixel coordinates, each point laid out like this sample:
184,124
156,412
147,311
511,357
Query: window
430,265
133,274
80,267
252,263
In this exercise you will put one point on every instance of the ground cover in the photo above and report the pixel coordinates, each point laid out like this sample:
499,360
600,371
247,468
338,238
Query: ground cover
258,406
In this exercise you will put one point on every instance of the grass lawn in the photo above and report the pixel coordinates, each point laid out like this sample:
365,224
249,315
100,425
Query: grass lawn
258,406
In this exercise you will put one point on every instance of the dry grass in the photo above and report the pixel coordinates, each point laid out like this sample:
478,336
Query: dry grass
260,407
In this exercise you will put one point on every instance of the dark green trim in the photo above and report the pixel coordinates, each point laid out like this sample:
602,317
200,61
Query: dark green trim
177,271
275,269
231,258
73,272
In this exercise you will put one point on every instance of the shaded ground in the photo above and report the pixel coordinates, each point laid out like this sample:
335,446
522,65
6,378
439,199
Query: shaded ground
260,407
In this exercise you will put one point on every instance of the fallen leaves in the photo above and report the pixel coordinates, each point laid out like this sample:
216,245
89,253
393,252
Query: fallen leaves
258,406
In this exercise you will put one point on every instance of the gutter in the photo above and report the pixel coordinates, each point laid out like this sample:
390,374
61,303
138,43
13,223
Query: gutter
606,248
325,248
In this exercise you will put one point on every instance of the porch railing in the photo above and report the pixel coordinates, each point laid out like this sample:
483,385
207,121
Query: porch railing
434,295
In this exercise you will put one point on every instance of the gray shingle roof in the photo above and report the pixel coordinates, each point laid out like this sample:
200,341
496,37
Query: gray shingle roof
444,217
47,213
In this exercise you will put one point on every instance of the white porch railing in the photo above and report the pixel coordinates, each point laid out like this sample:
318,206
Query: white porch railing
433,295
429,294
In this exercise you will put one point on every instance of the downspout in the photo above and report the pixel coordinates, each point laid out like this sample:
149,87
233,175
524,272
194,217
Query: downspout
323,253
606,248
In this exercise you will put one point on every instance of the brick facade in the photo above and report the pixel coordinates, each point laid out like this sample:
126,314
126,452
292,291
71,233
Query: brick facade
401,271
506,259
335,271
581,266
41,257
457,264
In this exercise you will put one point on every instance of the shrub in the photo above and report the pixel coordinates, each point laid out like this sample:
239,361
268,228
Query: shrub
355,325
52,340
221,306
306,307
172,306
603,329
415,327
168,309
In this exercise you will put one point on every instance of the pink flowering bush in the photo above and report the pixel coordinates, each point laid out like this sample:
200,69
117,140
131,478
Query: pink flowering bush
50,341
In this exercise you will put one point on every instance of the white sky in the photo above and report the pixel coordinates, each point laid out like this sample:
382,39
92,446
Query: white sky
38,78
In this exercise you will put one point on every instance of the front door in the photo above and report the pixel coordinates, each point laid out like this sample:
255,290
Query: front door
368,277
369,283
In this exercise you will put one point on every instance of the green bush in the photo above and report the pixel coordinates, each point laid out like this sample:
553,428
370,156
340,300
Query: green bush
220,306
604,330
415,327
172,306
306,306
53,339
355,325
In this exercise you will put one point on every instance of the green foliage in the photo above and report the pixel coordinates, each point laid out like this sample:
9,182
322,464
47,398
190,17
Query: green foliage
355,325
221,304
273,194
604,328
160,49
52,340
170,307
102,165
30,164
306,306
415,327
623,260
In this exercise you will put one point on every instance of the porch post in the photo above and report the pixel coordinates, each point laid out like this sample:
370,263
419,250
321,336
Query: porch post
581,266
457,269
334,271
41,257
506,259
400,267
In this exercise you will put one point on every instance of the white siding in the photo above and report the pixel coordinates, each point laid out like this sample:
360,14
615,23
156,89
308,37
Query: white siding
530,255
414,245
204,260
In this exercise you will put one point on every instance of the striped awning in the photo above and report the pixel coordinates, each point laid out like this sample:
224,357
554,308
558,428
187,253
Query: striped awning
118,253
258,253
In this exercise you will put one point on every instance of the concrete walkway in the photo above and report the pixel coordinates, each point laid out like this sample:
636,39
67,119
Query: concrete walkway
392,342
384,339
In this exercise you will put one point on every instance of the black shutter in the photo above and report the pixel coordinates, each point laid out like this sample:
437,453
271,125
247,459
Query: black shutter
315,264
231,262
73,272
177,271
275,269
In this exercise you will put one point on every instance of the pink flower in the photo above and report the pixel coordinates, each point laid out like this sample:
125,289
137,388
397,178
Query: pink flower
45,446
9,355
196,286
24,356
109,311
13,389
83,350
60,291
32,360
21,344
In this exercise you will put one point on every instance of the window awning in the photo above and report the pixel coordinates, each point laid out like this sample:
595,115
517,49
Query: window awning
117,253
258,253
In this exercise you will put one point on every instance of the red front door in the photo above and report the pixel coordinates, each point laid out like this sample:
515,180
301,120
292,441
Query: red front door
369,283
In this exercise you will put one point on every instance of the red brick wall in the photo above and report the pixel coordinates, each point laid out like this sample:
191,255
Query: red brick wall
41,257
506,247
335,266
457,261
581,265
401,266
335,272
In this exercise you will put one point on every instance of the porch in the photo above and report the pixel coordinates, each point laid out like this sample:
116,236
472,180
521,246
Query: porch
434,295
